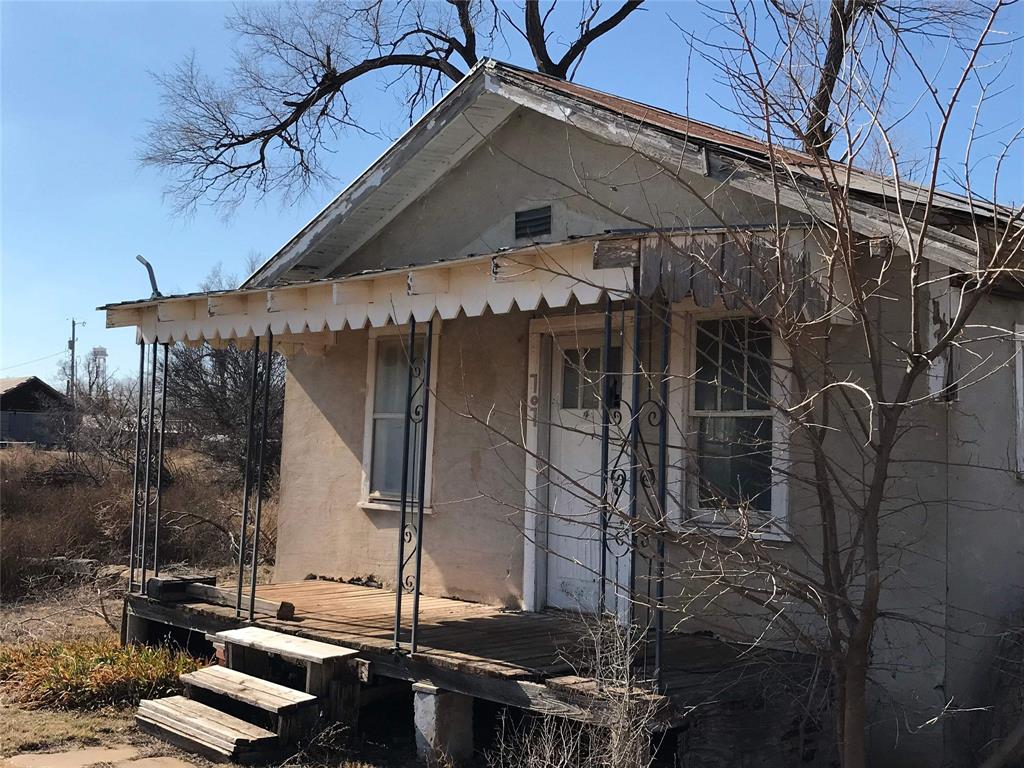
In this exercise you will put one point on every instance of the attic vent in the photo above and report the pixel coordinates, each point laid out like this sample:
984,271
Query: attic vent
534,222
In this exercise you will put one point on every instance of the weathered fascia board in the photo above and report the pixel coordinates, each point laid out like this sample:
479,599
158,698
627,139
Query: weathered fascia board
176,311
426,281
625,131
124,318
561,273
941,246
229,304
286,299
358,292
415,138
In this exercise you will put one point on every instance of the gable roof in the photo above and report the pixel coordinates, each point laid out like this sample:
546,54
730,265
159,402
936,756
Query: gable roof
15,384
481,102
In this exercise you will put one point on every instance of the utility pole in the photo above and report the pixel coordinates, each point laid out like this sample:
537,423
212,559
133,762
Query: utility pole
74,372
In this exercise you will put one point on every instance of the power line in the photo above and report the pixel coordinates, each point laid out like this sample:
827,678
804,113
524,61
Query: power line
29,362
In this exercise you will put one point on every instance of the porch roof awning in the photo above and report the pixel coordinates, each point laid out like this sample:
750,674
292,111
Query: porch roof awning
554,273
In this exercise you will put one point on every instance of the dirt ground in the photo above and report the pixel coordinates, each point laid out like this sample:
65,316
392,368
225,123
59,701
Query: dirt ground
94,610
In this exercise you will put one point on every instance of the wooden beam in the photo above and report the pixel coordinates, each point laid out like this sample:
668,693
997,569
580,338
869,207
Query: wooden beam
422,281
231,304
176,311
218,596
123,318
286,299
357,292
617,253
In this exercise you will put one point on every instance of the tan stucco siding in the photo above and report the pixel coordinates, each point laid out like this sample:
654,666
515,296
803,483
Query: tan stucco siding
472,548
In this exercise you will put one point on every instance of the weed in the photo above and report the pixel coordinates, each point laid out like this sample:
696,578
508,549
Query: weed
91,674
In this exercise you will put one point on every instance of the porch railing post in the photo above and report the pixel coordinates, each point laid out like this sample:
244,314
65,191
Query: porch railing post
399,579
606,394
634,451
160,468
422,485
135,475
267,370
144,527
247,472
659,594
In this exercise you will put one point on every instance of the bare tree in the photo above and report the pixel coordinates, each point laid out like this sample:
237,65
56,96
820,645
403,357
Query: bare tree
266,126
208,392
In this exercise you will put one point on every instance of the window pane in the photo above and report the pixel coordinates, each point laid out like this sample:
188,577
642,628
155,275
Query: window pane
386,467
706,393
570,378
759,367
732,373
583,377
392,374
734,462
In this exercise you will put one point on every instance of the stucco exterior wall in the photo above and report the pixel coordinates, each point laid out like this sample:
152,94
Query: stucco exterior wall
534,161
985,559
472,548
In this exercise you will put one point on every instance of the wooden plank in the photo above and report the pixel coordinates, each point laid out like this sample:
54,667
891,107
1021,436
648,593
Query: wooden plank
222,596
287,646
206,721
250,690
173,587
623,252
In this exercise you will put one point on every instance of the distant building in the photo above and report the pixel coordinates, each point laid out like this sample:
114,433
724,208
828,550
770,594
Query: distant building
30,411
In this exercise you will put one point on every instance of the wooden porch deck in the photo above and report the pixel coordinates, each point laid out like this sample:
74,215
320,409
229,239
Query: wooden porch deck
511,657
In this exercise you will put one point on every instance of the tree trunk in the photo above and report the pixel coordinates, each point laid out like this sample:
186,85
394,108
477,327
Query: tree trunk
854,703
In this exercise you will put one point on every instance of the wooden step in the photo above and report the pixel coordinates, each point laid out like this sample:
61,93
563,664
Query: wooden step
262,694
289,647
198,728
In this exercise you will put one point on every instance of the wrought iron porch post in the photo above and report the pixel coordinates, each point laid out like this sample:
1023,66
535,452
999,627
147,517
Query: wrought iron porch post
634,450
399,579
135,475
247,472
659,594
160,468
144,527
422,483
261,455
606,393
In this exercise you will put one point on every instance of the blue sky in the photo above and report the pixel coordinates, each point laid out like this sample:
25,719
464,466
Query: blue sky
75,97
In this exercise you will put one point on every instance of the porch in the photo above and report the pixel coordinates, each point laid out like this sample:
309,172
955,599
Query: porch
528,660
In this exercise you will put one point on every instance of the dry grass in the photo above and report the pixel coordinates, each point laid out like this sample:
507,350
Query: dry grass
90,674
46,513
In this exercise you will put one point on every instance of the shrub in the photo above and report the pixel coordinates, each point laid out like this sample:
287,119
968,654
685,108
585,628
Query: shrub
91,674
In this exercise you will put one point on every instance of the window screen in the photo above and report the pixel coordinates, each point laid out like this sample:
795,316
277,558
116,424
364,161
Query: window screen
733,418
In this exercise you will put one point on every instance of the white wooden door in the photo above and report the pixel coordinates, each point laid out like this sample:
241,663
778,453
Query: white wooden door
574,549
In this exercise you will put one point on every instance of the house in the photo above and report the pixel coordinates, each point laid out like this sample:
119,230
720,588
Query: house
526,372
32,411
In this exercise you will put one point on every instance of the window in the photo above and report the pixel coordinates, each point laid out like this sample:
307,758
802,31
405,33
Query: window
732,415
583,377
387,388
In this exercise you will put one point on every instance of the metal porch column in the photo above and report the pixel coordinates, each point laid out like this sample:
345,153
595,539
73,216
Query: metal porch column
247,472
267,369
135,475
634,450
606,394
144,527
409,392
160,467
422,483
659,593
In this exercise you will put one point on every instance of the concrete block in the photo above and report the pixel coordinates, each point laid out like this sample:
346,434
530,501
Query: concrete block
444,724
